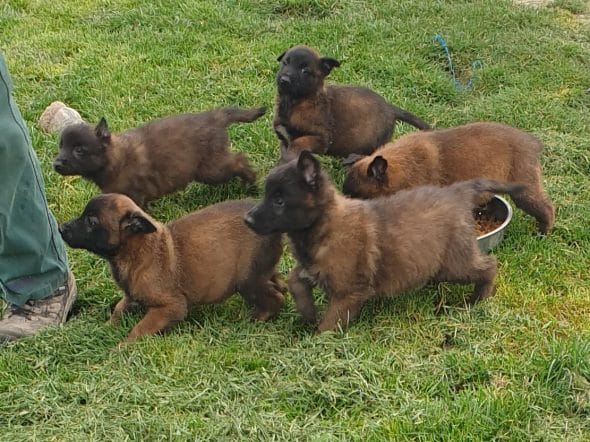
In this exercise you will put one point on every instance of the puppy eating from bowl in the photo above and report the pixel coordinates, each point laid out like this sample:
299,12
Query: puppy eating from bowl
445,156
355,250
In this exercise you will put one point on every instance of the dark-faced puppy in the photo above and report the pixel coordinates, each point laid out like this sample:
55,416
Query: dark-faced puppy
201,258
336,120
358,249
442,157
159,157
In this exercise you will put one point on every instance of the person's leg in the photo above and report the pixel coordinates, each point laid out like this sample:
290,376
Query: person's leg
34,278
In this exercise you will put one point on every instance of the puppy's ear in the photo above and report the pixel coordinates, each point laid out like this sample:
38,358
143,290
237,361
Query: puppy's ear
327,64
309,167
280,57
135,222
351,159
378,168
102,130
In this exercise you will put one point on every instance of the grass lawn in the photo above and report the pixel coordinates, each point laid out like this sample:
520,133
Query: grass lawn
516,367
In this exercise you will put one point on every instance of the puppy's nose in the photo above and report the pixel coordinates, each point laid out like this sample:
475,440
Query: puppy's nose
284,79
58,165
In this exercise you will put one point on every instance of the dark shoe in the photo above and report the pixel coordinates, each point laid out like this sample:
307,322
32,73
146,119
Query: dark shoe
18,322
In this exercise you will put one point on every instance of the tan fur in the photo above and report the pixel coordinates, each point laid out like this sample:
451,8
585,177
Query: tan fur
355,250
360,250
201,258
442,157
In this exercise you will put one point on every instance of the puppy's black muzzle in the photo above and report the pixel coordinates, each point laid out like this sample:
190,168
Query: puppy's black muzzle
253,220
61,167
65,230
284,83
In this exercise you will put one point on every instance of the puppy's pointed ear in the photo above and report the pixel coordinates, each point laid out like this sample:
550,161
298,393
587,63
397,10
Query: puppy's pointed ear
280,57
102,130
136,222
309,167
378,168
327,64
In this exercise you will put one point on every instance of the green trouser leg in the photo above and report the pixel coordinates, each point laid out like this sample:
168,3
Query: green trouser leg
33,262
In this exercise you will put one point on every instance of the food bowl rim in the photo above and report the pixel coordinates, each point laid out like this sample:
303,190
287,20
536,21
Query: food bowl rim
506,221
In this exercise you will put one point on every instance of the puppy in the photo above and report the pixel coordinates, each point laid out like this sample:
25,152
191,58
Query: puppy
201,258
336,120
355,250
442,157
159,157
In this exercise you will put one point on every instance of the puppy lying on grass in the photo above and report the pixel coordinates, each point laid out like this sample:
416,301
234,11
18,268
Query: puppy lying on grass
337,120
355,250
201,258
442,157
159,157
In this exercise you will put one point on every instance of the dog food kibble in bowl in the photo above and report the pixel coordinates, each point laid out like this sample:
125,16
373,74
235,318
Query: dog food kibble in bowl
491,221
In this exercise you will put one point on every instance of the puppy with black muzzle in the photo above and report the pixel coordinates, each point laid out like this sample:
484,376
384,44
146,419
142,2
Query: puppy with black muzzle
335,120
355,250
159,157
441,157
201,258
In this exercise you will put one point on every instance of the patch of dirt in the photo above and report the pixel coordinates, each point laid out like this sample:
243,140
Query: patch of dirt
582,18
534,3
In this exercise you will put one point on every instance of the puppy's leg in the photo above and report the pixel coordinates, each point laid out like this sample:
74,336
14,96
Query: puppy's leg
159,318
220,171
341,311
124,304
242,168
313,143
279,284
535,203
483,275
301,290
264,296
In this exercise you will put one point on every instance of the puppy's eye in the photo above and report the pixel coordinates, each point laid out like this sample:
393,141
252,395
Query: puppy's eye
92,221
79,150
305,70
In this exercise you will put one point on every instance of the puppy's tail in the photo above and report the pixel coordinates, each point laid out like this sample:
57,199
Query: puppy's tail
478,186
238,114
410,118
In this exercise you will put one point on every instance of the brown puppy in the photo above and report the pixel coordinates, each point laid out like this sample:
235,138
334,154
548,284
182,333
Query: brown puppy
336,120
358,249
159,157
201,258
442,157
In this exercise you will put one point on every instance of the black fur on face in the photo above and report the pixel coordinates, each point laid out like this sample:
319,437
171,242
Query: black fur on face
350,185
291,198
302,72
101,230
82,149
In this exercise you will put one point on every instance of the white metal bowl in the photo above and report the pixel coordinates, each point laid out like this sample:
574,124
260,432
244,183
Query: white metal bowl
501,210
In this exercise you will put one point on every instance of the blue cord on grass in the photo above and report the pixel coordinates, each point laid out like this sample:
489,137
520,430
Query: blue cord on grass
474,66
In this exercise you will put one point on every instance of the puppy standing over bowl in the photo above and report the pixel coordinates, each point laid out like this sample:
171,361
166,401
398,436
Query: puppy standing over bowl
336,120
201,258
486,150
159,157
358,249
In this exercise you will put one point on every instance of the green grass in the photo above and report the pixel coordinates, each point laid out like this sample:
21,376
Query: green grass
514,368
